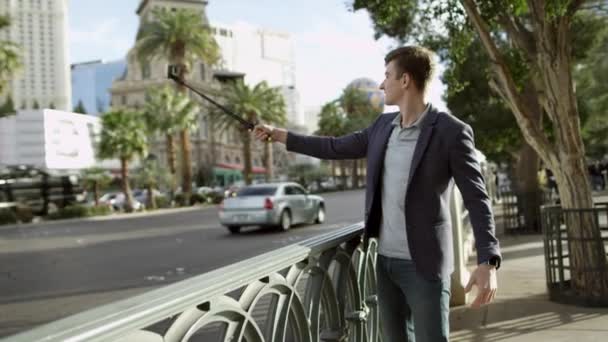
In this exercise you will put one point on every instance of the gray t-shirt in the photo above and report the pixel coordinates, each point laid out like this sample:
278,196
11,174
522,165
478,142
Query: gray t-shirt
397,163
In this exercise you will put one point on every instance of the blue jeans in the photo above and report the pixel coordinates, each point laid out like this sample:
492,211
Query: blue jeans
410,305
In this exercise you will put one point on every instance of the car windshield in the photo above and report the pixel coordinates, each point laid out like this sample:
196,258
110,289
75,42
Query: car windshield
257,191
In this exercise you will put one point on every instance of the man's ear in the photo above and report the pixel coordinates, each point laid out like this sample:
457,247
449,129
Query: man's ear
406,80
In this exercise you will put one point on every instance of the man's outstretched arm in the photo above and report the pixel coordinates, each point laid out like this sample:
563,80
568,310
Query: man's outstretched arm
351,146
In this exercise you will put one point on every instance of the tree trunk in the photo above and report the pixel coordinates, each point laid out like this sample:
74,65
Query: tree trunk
355,174
528,161
333,172
527,189
171,153
96,192
566,155
151,198
343,174
186,165
587,252
126,188
171,162
268,161
247,174
212,143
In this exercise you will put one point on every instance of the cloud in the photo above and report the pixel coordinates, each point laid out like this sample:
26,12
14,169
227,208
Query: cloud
104,38
329,55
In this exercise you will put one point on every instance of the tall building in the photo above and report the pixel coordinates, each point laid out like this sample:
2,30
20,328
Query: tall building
40,28
311,118
91,83
262,55
256,54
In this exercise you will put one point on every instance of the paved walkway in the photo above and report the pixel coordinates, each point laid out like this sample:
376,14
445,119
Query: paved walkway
522,310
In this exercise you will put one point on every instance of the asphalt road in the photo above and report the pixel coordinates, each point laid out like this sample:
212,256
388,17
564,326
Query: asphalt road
71,266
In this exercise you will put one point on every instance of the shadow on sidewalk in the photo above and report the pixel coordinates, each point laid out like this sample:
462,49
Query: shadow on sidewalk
514,318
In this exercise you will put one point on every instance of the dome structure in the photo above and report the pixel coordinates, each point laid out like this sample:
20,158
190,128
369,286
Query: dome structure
369,87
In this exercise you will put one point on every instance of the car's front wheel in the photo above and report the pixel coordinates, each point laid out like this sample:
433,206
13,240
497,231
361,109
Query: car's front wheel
285,220
234,229
320,215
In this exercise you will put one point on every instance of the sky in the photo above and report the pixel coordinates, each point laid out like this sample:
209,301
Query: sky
333,45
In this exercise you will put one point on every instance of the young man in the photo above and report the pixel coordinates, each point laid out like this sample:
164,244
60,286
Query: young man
412,157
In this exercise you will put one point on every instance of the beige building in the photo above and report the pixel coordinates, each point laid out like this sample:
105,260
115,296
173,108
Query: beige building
40,29
225,160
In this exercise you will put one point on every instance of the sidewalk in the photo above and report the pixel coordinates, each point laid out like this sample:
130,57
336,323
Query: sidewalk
522,310
109,217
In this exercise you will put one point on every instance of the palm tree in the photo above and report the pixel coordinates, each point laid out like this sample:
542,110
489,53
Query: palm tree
123,136
261,103
96,178
180,37
168,111
9,56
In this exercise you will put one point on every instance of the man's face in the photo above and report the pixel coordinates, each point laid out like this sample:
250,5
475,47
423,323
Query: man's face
393,85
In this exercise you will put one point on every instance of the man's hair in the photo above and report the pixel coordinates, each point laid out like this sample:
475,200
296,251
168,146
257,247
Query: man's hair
416,61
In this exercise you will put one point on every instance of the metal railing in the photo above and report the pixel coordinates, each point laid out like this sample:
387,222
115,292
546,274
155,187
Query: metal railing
559,243
322,289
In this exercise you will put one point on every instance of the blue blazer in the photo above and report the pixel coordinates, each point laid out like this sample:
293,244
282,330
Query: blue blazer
445,151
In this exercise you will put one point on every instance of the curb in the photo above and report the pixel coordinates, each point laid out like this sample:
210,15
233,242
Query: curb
105,217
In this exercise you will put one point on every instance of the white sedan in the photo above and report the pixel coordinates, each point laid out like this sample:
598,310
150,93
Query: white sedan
274,204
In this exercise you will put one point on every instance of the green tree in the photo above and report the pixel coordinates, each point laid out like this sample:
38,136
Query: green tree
539,33
179,36
333,123
151,176
360,113
35,105
306,174
8,108
467,77
52,105
96,178
80,108
168,111
123,136
592,92
260,103
10,61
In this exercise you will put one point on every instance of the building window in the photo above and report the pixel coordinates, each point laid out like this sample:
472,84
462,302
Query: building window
124,99
203,77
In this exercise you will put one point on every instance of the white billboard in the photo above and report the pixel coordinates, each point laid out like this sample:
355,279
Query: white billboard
69,139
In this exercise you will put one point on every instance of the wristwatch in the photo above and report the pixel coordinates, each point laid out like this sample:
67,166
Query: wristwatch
494,261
